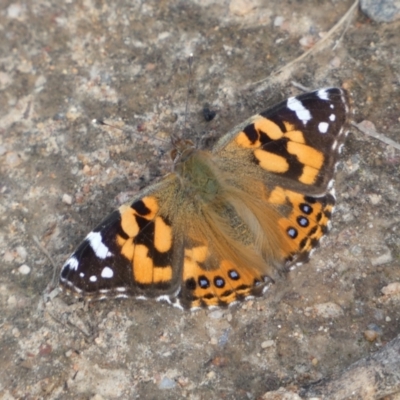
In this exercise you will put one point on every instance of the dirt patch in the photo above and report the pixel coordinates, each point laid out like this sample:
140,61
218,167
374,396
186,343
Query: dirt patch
64,65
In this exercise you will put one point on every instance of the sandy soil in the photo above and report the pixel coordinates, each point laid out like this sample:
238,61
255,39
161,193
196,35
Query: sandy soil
62,65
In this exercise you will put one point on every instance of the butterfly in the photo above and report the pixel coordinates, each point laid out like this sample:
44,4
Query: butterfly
219,227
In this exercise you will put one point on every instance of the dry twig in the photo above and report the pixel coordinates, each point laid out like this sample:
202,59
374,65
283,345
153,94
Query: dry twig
318,46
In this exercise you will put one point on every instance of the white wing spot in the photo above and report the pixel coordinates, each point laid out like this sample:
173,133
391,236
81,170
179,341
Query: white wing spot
93,278
332,106
323,127
107,272
81,274
99,248
164,297
332,117
323,94
72,264
297,106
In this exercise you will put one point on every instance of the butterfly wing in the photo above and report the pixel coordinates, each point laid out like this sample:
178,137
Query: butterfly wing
293,148
131,253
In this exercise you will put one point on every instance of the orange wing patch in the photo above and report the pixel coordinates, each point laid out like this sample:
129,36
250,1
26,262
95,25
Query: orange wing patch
307,221
145,238
218,286
281,151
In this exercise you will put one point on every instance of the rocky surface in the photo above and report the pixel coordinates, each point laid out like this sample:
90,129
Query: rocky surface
65,64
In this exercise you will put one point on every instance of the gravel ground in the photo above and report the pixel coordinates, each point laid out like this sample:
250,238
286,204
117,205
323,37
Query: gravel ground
125,62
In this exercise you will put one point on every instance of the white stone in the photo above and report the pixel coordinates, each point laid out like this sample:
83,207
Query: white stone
328,310
67,199
267,343
24,269
391,289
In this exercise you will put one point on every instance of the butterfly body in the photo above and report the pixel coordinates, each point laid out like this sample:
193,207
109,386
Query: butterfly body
216,229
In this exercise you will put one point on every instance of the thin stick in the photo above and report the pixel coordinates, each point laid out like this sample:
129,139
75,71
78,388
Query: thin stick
47,254
137,136
300,86
371,132
315,48
343,33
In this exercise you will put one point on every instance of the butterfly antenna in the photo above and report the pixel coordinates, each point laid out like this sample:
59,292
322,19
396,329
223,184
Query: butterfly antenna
102,122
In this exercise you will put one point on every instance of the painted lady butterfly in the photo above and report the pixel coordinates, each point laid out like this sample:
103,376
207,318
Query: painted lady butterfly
214,230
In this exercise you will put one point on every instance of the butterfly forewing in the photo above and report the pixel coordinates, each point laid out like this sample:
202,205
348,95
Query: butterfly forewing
133,252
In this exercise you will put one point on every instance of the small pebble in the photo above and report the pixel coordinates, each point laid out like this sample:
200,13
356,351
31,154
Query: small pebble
328,310
391,289
278,21
45,349
211,375
267,343
24,269
67,199
217,314
314,361
283,394
307,41
167,383
384,258
16,333
14,11
375,199
73,114
12,301
22,252
220,361
376,328
8,256
370,335
382,10
242,7
27,364
13,159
